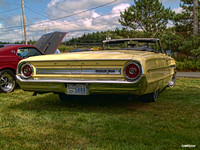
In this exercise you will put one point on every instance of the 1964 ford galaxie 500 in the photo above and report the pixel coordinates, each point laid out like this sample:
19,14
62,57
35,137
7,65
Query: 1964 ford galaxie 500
142,68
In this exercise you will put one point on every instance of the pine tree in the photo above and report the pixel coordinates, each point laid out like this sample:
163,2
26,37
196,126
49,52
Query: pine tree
184,20
150,16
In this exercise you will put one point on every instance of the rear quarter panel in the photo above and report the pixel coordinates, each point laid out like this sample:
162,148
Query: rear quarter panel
158,71
9,59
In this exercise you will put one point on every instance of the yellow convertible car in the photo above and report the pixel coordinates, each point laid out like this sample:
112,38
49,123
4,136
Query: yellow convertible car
136,66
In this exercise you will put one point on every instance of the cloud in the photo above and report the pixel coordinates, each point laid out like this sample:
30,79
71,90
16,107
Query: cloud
120,8
95,15
11,36
91,21
81,4
13,20
170,24
55,25
178,10
169,1
60,8
77,25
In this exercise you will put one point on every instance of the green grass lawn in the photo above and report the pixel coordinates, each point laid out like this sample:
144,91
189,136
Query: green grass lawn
103,122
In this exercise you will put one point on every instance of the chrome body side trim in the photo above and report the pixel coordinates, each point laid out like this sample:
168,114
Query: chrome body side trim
60,80
75,60
86,71
172,66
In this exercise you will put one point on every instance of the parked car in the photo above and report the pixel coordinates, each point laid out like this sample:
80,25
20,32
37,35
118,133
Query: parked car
141,68
11,54
80,50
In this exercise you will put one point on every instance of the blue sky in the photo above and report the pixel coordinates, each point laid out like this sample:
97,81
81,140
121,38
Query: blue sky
42,16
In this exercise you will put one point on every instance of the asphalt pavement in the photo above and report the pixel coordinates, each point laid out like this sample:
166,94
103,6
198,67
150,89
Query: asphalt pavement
188,74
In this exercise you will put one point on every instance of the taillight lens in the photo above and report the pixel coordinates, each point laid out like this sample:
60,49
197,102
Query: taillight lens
26,70
132,71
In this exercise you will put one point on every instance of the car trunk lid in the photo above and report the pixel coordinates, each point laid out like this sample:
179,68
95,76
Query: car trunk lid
89,55
49,43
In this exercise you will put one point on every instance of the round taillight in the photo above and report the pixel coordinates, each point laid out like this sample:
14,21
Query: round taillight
26,70
132,71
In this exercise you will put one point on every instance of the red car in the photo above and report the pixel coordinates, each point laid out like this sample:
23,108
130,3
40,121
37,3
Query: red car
10,55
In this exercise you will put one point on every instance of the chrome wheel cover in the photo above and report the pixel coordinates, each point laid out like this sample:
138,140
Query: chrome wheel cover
7,83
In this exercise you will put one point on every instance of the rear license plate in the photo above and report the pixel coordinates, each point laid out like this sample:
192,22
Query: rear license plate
76,89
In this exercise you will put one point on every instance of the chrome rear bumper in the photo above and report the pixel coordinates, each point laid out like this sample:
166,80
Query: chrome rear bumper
94,86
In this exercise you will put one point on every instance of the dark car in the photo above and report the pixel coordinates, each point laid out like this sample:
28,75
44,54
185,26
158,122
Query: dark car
11,54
